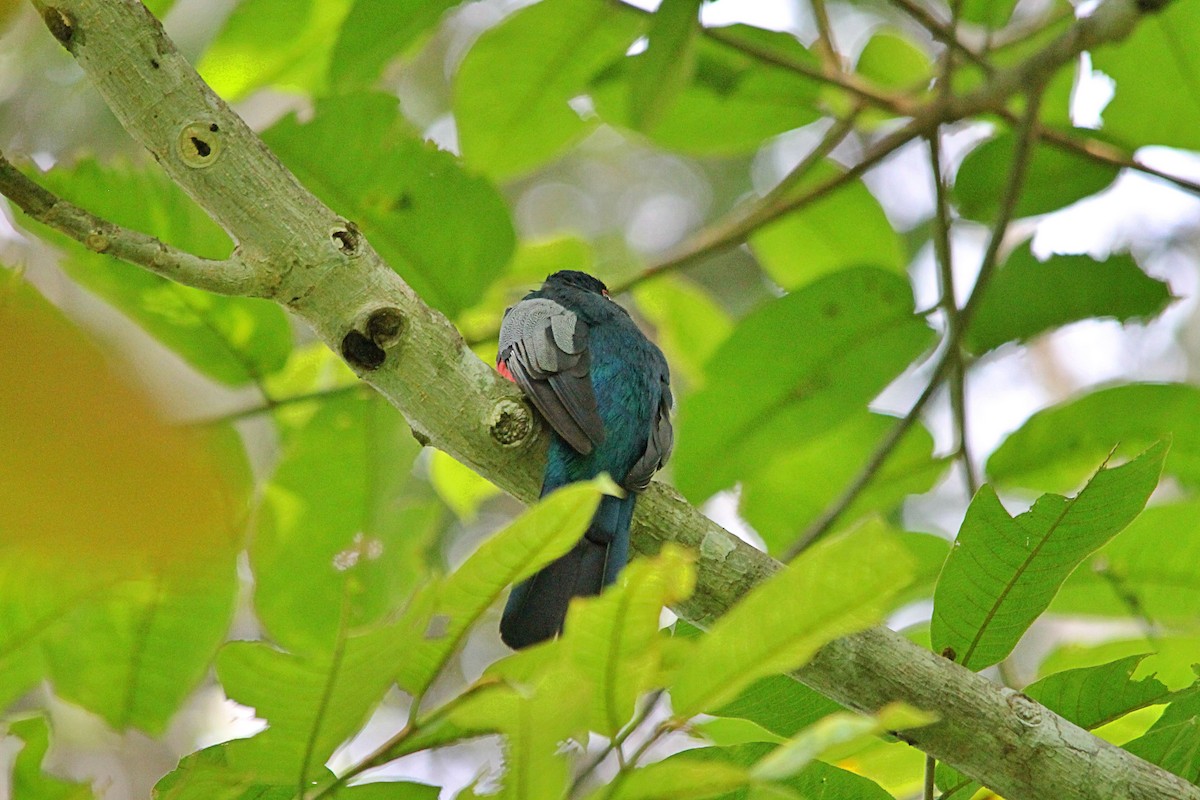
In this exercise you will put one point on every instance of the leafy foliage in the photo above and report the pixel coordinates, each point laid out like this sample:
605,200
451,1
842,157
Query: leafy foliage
320,566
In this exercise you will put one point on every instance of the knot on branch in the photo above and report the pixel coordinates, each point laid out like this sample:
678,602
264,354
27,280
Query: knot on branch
385,326
199,144
61,25
1026,711
510,423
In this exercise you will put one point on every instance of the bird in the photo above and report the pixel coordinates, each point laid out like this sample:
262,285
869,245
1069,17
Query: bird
605,390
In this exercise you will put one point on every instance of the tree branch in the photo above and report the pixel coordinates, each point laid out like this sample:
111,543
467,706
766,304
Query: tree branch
320,267
230,276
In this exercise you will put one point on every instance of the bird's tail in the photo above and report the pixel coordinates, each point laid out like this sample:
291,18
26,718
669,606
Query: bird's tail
538,605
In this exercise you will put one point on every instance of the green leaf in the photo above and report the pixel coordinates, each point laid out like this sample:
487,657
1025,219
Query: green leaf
445,231
668,62
311,702
766,396
459,486
848,582
780,704
546,54
1152,569
207,775
234,340
281,43
440,615
341,539
1057,447
28,780
614,641
988,13
818,781
1027,297
1003,572
1157,99
733,100
678,779
842,230
1173,742
779,507
689,323
374,32
1054,179
1094,696
1172,660
838,731
892,61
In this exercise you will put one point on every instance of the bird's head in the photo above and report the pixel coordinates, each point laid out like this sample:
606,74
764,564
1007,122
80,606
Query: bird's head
579,280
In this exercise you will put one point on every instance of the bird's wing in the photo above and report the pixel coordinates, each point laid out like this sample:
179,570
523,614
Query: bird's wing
545,347
658,444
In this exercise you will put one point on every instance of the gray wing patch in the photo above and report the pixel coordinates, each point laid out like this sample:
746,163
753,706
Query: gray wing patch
658,445
545,348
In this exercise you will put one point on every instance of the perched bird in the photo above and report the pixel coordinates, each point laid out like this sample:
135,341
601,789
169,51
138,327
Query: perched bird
605,390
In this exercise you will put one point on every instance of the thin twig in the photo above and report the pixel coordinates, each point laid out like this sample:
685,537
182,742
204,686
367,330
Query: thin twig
266,408
930,777
231,276
827,50
387,751
616,742
946,34
957,371
1025,141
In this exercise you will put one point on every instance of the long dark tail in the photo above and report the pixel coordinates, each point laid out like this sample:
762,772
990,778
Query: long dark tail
537,606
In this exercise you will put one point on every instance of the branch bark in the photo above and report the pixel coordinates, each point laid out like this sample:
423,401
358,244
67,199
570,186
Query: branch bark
317,264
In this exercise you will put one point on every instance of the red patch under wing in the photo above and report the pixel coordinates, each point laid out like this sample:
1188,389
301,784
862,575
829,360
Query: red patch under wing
504,371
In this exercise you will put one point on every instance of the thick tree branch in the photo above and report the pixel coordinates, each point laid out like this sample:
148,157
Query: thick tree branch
318,265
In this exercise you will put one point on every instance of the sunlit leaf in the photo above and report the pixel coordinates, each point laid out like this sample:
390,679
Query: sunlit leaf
1054,179
818,781
892,60
440,615
1027,296
678,779
208,775
848,582
1003,572
613,640
733,100
280,43
546,53
446,231
234,340
1157,98
1058,447
1171,661
838,731
766,395
1094,696
1173,742
459,486
843,229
